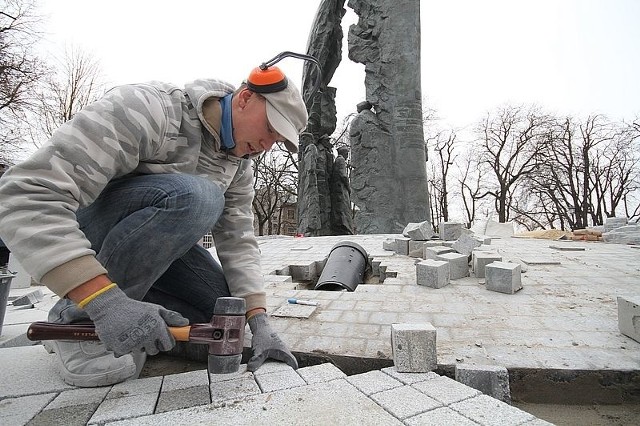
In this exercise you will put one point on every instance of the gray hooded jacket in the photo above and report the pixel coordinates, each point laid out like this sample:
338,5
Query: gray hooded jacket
134,129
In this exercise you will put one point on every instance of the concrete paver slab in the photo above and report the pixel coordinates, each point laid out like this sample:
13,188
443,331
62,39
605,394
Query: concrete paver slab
373,382
335,402
18,411
405,401
491,412
28,370
443,416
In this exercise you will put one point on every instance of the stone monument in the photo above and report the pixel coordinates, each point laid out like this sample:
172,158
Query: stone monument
316,158
389,178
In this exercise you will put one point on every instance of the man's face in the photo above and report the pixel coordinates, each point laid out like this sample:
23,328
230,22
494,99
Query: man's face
252,132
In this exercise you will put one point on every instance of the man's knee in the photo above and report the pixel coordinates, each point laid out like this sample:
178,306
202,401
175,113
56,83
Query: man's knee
197,199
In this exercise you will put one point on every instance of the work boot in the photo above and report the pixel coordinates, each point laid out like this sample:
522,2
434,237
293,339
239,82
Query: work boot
90,364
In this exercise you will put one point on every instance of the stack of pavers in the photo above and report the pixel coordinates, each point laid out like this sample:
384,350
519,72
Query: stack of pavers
453,254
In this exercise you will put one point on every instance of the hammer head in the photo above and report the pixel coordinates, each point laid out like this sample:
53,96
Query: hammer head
228,323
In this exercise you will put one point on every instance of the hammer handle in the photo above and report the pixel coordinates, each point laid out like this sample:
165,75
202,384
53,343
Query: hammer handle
51,331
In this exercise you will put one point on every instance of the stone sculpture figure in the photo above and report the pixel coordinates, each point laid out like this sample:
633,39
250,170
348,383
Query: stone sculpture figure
325,43
309,211
389,179
341,212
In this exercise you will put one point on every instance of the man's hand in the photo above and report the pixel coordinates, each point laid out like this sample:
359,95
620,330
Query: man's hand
267,344
124,324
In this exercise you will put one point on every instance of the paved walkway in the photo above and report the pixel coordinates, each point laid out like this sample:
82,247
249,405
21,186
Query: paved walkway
564,319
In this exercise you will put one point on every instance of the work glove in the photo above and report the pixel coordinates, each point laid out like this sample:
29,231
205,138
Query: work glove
267,344
124,324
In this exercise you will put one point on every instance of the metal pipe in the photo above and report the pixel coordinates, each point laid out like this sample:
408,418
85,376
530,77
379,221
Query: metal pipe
344,268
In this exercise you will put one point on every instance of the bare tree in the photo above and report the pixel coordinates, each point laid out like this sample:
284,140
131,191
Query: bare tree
20,69
443,148
76,83
275,185
469,179
510,149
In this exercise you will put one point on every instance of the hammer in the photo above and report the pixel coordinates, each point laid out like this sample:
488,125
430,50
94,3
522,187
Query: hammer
224,334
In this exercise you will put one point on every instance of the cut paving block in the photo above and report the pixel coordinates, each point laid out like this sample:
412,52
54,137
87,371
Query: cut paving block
321,373
481,260
432,273
418,231
458,264
450,231
289,310
414,347
491,380
466,243
389,244
503,277
435,251
433,243
629,316
303,272
416,249
30,298
128,399
184,390
72,407
402,246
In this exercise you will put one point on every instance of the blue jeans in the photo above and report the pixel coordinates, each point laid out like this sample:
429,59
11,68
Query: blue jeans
145,230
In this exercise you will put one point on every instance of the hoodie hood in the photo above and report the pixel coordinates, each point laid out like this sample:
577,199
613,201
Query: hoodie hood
203,89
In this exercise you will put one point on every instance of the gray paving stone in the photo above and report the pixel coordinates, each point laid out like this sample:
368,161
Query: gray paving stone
30,298
446,390
18,411
270,367
373,381
331,403
432,252
458,264
409,378
233,389
71,415
79,396
294,311
489,411
432,273
279,380
466,244
443,416
135,387
125,407
503,277
450,231
41,375
405,401
414,347
321,373
185,380
481,259
492,380
402,246
629,316
183,398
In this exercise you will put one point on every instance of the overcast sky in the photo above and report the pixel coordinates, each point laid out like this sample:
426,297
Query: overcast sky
569,56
